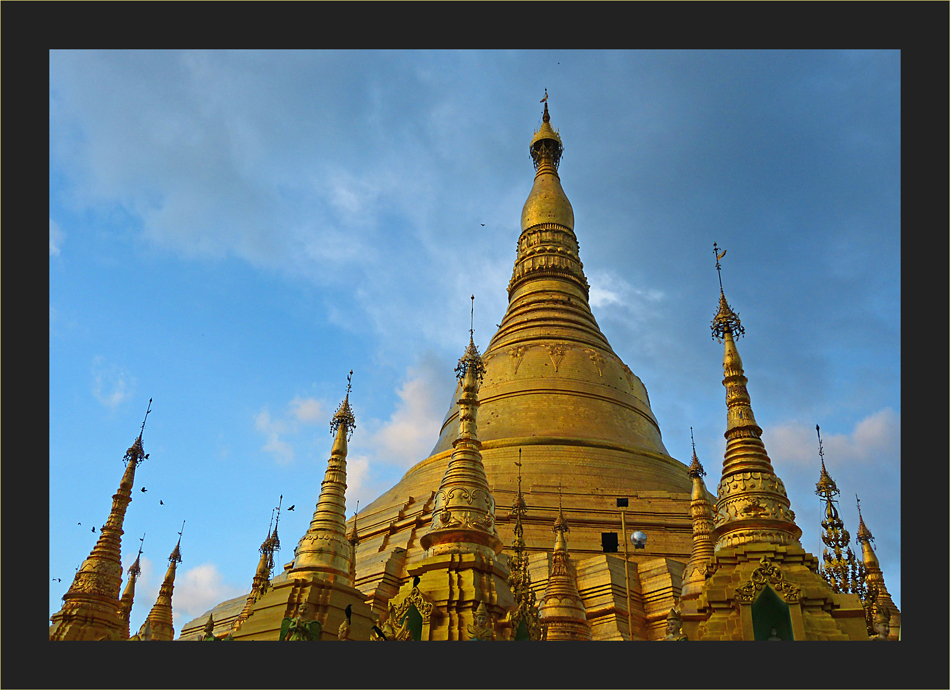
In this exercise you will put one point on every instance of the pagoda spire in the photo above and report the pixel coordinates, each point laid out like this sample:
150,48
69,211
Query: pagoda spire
562,612
701,513
525,619
324,548
128,596
261,581
463,515
752,503
160,617
841,569
876,590
91,607
548,291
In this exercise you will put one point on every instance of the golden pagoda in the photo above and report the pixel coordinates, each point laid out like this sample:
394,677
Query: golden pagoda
160,618
128,595
553,386
874,580
317,586
459,585
761,584
436,562
703,545
91,608
562,612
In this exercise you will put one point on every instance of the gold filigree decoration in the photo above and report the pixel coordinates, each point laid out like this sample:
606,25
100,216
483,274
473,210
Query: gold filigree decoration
768,574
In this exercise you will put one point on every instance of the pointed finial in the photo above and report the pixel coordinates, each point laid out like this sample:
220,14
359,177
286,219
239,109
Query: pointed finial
826,486
471,359
695,467
344,415
135,452
725,320
176,554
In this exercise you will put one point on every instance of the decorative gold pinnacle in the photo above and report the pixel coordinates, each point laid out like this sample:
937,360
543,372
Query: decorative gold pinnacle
546,146
91,606
725,320
324,547
841,569
463,515
344,415
160,617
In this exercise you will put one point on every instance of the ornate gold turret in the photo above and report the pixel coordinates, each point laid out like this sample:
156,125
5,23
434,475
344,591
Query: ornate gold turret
525,619
562,612
760,584
265,566
459,569
324,548
841,569
91,607
160,617
874,581
463,518
128,596
752,503
701,513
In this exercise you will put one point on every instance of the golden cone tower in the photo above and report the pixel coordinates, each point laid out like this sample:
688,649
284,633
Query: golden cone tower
704,548
91,608
324,548
128,595
761,584
261,580
551,384
160,617
459,572
317,586
874,580
562,612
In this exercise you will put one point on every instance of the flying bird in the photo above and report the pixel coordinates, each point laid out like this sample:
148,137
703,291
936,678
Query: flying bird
79,523
58,579
144,489
93,529
292,507
160,502
483,225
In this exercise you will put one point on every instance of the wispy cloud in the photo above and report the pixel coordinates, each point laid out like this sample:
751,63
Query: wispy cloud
409,434
199,589
300,412
112,384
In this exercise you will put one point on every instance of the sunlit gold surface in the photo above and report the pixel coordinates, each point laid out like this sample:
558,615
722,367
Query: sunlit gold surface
91,607
553,387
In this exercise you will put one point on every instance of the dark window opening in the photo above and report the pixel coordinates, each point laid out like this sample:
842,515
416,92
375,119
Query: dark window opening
609,541
622,502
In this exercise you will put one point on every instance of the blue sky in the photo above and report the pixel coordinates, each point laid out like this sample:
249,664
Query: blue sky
232,232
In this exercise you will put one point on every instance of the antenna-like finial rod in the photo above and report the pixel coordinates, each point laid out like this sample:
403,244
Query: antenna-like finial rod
718,267
821,453
349,385
182,528
692,440
471,330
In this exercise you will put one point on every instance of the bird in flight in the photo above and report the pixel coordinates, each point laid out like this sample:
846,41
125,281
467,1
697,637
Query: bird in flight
160,502
483,225
93,529
144,489
292,507
58,579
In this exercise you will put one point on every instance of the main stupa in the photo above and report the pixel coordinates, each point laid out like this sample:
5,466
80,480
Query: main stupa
555,390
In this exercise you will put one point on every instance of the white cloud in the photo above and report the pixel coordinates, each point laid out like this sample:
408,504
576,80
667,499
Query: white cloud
112,384
199,589
875,440
307,410
413,427
300,411
56,238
